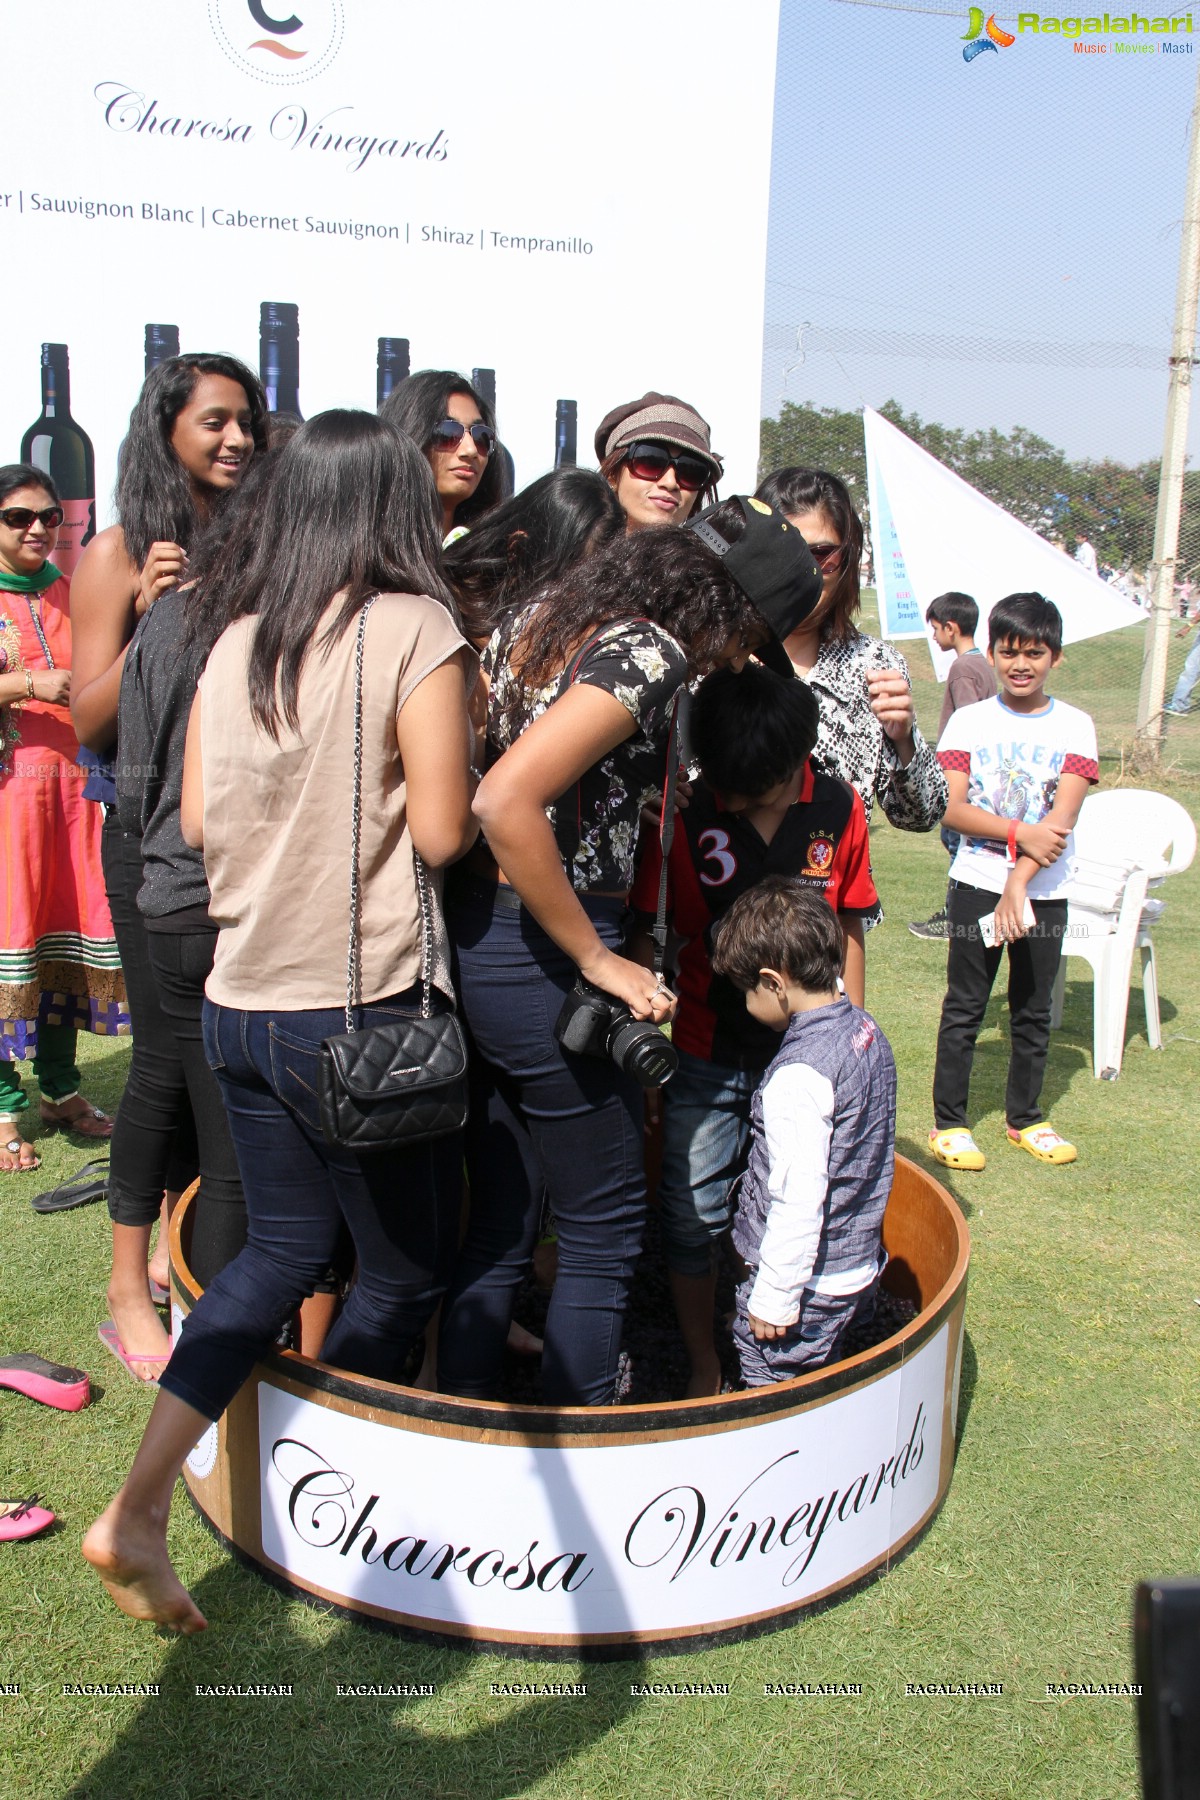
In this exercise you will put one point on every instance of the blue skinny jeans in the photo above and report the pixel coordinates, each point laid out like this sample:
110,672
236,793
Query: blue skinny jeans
543,1121
400,1206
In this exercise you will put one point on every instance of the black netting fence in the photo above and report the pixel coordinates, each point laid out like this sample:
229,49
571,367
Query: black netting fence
986,251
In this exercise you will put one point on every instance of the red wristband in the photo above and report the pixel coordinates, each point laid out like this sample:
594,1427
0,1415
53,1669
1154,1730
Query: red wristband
1012,842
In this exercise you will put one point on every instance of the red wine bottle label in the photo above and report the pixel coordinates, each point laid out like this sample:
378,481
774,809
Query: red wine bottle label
77,529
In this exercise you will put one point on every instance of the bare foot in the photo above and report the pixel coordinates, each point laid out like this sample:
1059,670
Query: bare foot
158,1263
705,1380
16,1156
140,1330
132,1562
522,1342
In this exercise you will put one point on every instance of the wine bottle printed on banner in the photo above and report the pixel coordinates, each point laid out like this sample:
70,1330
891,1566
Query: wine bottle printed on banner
391,367
484,383
162,342
566,434
279,355
55,444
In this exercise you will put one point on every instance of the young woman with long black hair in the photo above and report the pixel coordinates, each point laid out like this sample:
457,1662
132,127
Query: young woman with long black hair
196,424
268,765
455,428
526,543
582,688
868,733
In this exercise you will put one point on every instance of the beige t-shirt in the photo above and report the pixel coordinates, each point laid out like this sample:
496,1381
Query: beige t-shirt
278,816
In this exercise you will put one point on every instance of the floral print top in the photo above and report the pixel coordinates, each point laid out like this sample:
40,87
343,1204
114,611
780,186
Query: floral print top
596,823
853,745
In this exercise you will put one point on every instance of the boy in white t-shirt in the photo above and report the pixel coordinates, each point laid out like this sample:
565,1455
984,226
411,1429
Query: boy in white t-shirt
1018,767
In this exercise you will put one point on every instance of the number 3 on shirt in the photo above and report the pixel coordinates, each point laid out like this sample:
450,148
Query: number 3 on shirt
715,845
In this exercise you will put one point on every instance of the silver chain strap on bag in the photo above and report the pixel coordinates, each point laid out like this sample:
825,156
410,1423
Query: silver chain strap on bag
382,1086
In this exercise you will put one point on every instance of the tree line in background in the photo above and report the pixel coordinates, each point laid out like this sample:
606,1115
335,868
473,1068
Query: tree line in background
1109,503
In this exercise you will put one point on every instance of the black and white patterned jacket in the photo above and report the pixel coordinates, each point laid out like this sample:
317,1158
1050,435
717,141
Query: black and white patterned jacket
853,744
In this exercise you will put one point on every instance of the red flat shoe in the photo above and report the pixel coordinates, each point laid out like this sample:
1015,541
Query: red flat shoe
85,1120
23,1519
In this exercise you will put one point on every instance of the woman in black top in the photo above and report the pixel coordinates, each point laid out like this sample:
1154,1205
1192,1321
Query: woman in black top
583,686
158,684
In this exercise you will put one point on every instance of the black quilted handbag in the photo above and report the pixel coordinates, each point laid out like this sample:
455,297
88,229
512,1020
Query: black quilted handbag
398,1083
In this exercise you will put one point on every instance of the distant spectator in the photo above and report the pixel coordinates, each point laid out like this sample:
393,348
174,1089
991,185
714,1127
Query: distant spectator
953,619
1181,699
1085,556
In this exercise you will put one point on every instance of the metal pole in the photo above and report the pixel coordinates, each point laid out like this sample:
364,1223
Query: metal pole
1170,481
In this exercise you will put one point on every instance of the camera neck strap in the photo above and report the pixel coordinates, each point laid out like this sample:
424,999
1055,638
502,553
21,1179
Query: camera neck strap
666,822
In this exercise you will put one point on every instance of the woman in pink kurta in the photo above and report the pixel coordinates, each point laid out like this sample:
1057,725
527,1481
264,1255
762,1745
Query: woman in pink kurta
59,969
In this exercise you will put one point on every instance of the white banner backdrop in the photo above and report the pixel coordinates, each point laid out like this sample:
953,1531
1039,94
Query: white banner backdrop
654,1537
573,196
943,534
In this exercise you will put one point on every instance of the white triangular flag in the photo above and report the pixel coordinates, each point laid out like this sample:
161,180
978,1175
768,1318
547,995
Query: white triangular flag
933,532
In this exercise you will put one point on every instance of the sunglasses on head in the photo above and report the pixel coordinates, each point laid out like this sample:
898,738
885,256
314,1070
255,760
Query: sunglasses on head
20,518
448,434
650,462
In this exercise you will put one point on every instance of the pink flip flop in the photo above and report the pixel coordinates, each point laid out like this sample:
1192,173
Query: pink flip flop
107,1333
51,1383
23,1519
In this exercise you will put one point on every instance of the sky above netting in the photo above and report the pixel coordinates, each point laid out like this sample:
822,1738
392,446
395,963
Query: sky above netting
992,243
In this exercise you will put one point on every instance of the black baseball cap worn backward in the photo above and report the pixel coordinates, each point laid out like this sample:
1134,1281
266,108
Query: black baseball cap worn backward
772,565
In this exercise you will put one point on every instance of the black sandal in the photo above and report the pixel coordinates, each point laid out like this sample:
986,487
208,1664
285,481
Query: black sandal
86,1185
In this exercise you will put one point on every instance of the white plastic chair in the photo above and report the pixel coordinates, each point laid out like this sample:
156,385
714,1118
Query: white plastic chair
1126,842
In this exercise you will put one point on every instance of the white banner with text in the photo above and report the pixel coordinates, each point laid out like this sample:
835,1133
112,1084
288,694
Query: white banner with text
705,1529
570,199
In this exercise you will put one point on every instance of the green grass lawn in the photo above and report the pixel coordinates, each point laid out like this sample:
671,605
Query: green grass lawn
1076,1477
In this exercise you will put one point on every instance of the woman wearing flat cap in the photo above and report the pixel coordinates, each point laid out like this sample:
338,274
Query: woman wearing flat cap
656,455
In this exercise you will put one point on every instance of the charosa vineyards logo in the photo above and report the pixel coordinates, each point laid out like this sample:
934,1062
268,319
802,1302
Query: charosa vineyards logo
979,36
272,43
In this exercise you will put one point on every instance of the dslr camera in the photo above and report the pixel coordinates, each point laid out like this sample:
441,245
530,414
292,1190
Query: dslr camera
593,1023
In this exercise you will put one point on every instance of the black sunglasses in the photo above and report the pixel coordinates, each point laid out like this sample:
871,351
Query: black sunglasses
448,434
826,556
650,462
20,518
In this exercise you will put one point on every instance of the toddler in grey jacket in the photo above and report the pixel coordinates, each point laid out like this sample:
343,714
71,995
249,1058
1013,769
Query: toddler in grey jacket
810,1204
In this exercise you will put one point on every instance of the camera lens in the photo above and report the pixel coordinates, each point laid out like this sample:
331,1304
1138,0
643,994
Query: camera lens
641,1050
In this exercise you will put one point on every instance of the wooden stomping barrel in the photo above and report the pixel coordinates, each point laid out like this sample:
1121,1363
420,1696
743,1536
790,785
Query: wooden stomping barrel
584,1532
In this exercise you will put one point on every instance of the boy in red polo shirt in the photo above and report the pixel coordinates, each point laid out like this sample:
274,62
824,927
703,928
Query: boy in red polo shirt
759,809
